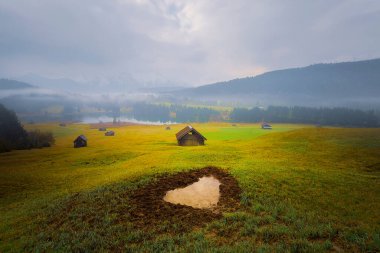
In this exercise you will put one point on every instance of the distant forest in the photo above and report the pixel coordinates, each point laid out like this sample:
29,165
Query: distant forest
275,114
306,115
37,110
175,113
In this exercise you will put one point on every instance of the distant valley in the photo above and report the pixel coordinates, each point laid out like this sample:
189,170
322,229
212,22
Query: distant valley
354,85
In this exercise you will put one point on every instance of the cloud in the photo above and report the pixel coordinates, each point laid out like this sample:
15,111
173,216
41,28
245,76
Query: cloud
181,42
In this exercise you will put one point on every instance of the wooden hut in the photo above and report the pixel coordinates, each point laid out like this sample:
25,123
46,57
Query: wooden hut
109,133
102,129
265,125
190,137
80,141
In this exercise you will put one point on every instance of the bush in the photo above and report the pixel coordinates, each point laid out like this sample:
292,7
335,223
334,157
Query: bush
38,139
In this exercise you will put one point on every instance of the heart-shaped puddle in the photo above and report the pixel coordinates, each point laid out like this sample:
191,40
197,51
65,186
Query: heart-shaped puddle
202,194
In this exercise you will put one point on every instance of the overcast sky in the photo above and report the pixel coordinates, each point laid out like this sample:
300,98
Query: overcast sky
181,42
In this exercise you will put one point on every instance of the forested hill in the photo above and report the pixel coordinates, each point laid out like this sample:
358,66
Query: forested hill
350,81
6,84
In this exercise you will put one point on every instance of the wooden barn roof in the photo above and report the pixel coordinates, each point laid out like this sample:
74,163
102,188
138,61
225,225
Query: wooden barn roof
81,137
187,130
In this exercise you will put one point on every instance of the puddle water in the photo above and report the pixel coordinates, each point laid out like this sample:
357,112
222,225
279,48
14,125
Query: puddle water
202,194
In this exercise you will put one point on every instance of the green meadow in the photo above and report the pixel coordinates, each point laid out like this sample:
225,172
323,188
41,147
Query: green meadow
303,189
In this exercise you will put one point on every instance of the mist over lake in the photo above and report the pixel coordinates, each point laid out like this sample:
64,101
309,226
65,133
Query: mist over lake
105,119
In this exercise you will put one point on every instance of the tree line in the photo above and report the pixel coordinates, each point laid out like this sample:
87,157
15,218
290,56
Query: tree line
176,113
307,115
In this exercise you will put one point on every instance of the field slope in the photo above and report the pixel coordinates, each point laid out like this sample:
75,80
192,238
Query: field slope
303,189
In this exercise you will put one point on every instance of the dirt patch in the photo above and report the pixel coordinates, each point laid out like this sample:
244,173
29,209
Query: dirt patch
149,207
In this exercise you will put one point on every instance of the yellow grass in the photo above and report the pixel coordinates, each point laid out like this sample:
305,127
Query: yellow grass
332,172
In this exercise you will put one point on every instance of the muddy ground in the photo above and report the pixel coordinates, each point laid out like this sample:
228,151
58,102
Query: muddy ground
149,208
120,210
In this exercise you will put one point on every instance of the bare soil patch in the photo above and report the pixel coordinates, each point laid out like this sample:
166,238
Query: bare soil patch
149,207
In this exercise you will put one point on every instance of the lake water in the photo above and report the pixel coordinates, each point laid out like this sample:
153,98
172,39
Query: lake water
202,194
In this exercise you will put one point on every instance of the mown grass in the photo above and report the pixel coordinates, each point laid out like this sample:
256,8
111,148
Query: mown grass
305,189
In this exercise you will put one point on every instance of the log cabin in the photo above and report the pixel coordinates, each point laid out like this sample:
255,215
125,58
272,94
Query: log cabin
80,141
190,137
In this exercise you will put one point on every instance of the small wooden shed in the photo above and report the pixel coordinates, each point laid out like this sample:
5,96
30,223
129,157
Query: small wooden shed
190,137
265,125
109,133
80,141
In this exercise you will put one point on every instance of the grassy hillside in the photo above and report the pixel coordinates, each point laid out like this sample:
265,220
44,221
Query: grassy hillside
303,189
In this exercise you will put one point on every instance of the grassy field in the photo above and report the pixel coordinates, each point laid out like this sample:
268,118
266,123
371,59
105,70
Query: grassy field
304,189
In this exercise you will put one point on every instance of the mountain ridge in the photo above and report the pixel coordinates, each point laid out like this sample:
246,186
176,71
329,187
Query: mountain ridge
326,81
8,84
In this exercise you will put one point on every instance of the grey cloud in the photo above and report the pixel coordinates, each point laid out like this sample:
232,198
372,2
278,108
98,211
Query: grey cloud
180,42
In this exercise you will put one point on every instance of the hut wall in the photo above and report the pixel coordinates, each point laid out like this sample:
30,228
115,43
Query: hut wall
191,140
80,143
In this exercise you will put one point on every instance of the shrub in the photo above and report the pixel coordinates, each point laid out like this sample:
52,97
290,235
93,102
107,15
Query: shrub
38,139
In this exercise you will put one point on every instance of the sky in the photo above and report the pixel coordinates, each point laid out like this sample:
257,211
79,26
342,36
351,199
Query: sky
174,42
